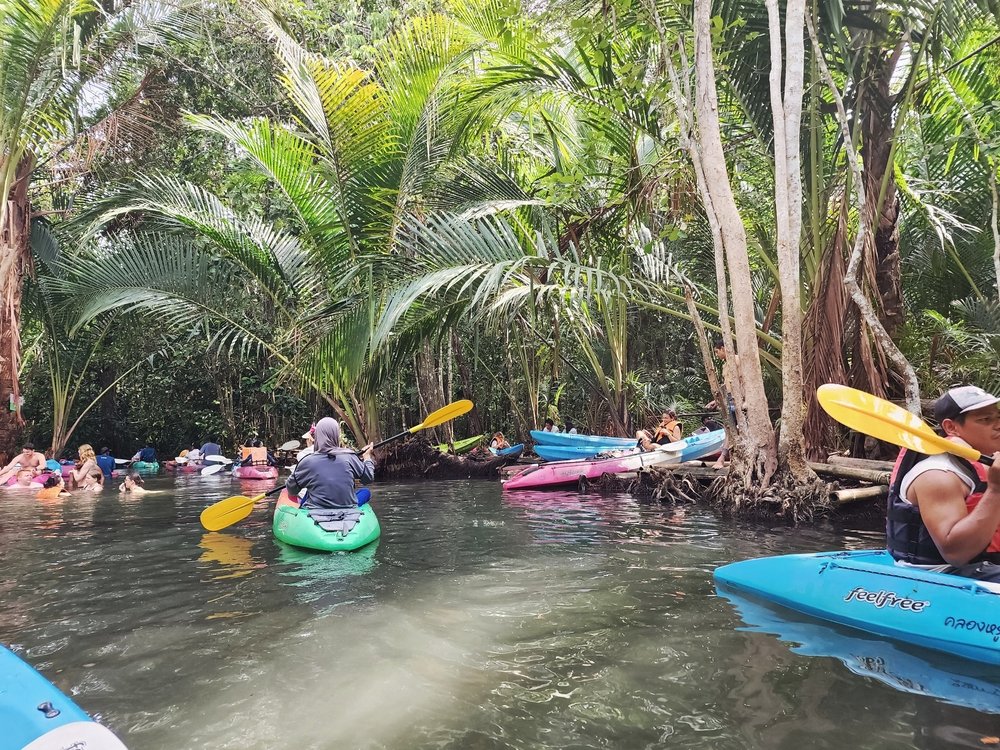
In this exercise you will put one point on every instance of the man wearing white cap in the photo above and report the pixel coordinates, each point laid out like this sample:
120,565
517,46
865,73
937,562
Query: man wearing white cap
943,511
310,448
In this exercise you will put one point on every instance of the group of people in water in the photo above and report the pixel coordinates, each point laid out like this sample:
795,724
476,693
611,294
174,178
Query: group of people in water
31,469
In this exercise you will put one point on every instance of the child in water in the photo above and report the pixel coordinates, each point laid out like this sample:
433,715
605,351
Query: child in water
54,487
133,483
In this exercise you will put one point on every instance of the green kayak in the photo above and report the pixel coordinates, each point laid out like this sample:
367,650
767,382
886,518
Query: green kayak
293,525
145,467
462,446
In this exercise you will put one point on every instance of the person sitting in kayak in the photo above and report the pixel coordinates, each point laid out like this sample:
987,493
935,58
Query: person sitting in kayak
569,428
667,431
106,462
210,448
499,442
87,474
28,458
309,437
943,511
146,454
550,426
329,473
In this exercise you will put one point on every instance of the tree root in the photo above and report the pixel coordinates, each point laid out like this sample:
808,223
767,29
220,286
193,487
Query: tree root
785,498
418,459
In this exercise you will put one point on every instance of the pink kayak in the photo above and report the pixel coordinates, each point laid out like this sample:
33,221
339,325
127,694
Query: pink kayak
570,472
256,472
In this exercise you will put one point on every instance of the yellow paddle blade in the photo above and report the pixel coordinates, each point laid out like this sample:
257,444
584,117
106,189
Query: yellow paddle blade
883,420
227,512
444,414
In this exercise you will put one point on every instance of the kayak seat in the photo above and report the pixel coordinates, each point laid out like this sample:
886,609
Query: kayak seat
336,520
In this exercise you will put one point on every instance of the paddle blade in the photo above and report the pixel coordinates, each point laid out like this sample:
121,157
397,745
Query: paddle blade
213,469
289,446
444,414
217,459
885,421
181,459
227,512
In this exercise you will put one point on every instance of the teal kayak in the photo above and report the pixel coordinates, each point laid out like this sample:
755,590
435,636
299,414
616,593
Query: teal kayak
35,714
294,525
145,467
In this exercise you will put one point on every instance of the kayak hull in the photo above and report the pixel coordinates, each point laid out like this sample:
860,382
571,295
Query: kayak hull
573,453
461,446
570,472
601,442
62,725
292,525
145,467
255,472
513,451
866,590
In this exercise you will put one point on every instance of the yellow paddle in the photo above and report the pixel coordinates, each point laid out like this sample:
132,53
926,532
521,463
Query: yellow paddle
227,512
885,421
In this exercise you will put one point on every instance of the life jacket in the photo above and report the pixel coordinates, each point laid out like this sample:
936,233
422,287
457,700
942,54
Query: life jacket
49,493
663,432
254,456
907,538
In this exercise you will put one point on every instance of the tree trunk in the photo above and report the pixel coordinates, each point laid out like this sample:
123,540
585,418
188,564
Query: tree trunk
15,264
430,392
755,457
786,110
465,375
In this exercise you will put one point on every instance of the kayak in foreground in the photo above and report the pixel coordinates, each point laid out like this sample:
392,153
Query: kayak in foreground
323,529
35,715
867,590
570,472
902,667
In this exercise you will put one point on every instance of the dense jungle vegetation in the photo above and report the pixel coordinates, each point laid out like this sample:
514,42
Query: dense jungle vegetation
231,218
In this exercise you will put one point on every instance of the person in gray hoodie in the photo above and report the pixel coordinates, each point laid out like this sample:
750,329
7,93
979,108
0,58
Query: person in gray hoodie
329,473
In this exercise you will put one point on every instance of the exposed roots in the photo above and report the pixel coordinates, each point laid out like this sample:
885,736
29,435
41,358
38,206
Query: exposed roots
785,498
418,459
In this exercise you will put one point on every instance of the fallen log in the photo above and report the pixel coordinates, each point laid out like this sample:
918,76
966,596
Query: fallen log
860,493
860,463
851,472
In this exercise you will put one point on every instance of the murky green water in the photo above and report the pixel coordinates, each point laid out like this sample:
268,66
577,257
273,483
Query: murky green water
481,621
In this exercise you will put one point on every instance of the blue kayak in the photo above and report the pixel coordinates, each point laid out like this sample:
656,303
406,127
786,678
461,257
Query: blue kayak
601,442
33,712
901,667
868,591
570,453
514,450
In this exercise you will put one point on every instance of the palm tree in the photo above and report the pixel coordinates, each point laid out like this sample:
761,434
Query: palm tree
51,51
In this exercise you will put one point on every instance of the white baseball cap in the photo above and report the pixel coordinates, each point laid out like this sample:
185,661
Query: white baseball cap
961,400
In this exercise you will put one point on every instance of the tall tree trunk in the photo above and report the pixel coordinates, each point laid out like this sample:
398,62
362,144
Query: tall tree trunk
786,110
429,390
15,264
755,458
465,375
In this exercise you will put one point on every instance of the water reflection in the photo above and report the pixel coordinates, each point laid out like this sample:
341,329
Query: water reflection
906,669
233,553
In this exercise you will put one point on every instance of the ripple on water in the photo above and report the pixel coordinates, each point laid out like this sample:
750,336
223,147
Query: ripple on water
480,620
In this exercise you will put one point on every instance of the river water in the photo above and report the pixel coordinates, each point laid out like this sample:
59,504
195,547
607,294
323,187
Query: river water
479,621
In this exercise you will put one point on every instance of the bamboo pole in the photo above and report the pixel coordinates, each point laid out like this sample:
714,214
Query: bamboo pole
851,472
860,463
860,493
